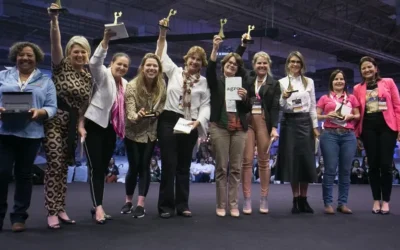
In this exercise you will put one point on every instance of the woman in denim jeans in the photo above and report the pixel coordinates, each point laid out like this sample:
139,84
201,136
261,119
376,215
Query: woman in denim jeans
338,141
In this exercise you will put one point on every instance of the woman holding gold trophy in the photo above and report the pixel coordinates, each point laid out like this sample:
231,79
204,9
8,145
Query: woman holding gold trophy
264,93
228,126
340,110
188,101
144,99
73,86
104,118
298,132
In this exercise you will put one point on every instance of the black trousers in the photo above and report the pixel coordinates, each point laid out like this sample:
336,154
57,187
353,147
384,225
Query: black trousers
139,156
176,157
99,148
379,143
18,153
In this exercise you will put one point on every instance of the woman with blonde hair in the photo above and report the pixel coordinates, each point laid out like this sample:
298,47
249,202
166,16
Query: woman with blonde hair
298,132
188,97
264,94
73,87
145,98
104,119
228,128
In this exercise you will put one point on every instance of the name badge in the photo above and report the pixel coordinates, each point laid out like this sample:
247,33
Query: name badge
297,105
256,108
230,106
382,104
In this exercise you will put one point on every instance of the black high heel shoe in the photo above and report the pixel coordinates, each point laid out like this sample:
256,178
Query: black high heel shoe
100,222
67,222
106,216
376,211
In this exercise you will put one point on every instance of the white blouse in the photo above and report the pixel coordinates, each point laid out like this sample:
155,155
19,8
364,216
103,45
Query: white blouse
200,93
307,97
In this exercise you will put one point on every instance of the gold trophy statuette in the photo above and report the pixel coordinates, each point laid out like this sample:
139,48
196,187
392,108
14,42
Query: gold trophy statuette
290,89
116,16
248,39
339,114
60,9
150,113
165,22
221,30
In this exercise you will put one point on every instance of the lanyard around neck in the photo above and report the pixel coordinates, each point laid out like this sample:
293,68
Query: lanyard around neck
257,89
23,84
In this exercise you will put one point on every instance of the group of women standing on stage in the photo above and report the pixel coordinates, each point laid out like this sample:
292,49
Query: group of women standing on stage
96,104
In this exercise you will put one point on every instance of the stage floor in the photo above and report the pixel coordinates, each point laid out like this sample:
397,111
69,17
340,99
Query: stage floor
277,230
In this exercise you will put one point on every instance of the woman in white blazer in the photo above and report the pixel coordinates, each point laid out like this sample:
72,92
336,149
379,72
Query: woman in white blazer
104,119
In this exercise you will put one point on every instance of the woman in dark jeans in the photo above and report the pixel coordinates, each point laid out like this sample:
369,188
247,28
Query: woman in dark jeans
378,129
338,142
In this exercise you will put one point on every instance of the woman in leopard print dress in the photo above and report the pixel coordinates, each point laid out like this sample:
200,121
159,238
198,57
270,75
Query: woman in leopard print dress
73,86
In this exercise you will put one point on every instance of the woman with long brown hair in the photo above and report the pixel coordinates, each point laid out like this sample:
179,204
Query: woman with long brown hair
145,95
298,132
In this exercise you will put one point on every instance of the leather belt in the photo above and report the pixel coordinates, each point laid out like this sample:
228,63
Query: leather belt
339,130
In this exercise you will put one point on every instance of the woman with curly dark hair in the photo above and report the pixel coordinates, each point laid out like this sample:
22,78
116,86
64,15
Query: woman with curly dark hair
20,140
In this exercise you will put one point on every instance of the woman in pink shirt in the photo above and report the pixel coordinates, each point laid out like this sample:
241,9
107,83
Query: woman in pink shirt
378,129
338,142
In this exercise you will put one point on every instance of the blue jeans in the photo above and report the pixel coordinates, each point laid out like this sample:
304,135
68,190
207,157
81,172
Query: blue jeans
338,150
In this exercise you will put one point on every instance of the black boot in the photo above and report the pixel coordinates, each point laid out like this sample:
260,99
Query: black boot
304,207
295,208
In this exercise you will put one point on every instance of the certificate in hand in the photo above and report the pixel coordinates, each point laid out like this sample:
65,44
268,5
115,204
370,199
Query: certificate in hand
232,84
183,127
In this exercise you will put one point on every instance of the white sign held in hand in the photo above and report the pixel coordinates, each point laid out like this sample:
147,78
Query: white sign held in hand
232,85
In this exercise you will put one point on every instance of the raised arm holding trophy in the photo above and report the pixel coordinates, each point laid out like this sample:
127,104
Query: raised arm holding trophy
221,30
118,28
60,9
248,39
165,22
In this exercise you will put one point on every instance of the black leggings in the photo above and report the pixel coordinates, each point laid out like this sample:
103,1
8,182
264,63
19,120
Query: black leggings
99,148
139,156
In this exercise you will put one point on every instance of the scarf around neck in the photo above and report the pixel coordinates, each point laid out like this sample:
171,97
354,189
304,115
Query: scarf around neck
118,111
